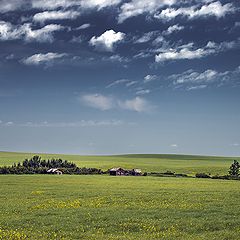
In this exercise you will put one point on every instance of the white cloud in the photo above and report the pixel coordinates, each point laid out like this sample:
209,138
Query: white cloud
213,9
83,26
137,104
146,37
194,77
193,80
40,58
98,101
55,4
101,102
129,84
107,40
149,78
81,123
189,51
55,15
196,87
99,3
44,34
78,39
138,7
143,92
184,53
12,5
174,145
117,82
7,31
172,29
116,58
9,124
11,32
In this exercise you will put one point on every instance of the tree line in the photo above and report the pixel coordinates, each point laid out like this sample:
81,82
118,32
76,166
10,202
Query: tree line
37,165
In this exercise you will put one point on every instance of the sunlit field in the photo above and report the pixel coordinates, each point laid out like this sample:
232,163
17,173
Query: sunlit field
110,207
104,207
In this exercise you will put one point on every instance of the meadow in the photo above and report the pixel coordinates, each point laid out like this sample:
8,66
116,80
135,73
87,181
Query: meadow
104,207
186,164
108,207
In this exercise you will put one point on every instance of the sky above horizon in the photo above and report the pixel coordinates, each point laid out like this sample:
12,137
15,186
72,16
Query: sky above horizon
116,76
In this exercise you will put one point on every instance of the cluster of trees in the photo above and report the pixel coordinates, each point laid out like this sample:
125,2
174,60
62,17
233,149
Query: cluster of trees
233,173
234,169
37,165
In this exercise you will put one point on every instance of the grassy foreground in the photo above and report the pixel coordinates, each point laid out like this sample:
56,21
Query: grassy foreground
147,162
104,207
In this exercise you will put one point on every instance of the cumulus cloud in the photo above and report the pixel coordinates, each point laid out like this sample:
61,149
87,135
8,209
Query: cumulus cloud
172,29
107,40
193,80
137,104
189,51
149,78
12,5
138,7
12,32
55,4
146,37
99,3
191,76
102,102
55,15
215,9
118,58
44,34
98,101
46,58
183,53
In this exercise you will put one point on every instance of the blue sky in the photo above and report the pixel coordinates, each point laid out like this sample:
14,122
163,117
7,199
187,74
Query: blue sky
115,76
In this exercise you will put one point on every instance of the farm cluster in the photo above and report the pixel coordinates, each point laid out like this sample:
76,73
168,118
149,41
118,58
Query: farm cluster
124,172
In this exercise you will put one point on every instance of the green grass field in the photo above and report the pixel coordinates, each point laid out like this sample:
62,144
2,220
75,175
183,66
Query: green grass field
107,207
104,207
147,162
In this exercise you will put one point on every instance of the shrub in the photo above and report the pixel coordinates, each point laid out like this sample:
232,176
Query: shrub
202,175
169,173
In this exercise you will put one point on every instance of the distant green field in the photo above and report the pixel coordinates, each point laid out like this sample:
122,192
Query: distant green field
155,162
104,207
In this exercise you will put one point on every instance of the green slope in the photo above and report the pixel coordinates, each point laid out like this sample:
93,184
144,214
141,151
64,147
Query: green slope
147,162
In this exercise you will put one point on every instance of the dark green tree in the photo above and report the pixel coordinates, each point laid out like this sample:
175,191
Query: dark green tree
234,169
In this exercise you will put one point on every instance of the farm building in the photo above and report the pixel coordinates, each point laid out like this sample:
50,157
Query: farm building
117,171
123,172
136,172
54,171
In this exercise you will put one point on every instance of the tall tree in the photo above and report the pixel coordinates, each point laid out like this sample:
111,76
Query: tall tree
234,169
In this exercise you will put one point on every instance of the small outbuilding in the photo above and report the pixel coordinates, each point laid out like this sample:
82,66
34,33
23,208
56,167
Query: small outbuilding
136,172
117,171
124,172
54,171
